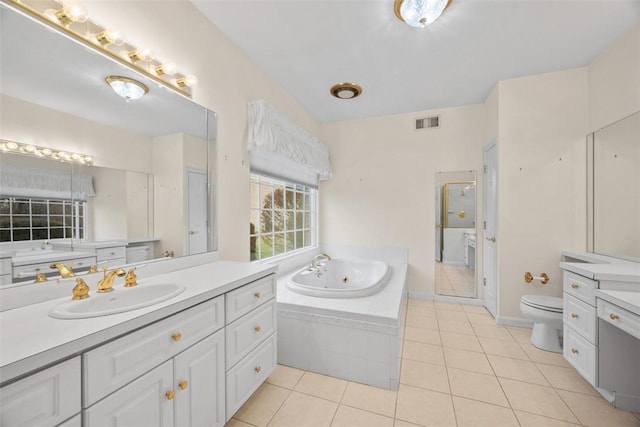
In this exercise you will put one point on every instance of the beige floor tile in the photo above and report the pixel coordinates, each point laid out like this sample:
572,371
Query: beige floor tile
542,356
347,416
481,319
285,376
424,407
457,326
422,321
372,399
566,379
515,369
597,412
415,302
262,405
460,341
468,308
421,311
532,420
536,399
423,352
322,386
476,386
424,375
492,331
400,423
237,423
458,316
427,336
468,360
501,347
520,334
470,413
451,306
301,410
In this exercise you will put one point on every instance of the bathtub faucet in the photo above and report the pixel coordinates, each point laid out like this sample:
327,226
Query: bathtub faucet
318,259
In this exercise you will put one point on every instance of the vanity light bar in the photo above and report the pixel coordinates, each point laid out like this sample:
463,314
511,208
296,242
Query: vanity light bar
50,153
111,43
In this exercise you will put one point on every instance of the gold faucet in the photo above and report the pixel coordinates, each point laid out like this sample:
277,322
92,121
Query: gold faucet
65,271
130,279
40,277
81,290
93,269
106,284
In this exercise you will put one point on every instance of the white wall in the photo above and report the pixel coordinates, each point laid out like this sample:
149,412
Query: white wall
382,193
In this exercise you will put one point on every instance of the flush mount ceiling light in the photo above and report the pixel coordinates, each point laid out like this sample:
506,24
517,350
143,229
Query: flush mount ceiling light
419,13
126,87
346,90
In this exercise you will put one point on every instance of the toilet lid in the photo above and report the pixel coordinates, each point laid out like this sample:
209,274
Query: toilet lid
543,302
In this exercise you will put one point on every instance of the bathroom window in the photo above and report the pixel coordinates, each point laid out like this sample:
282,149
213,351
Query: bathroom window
283,217
24,218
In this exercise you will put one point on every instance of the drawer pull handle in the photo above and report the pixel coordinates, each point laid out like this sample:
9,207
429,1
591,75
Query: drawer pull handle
613,316
257,295
183,384
176,336
257,328
574,315
575,286
257,369
170,394
574,350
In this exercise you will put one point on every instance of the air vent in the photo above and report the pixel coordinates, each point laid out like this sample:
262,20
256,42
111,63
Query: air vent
428,123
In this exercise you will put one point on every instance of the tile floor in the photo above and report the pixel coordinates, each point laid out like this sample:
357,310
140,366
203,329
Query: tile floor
458,369
455,280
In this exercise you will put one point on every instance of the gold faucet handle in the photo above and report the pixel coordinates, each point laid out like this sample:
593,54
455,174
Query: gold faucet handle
130,279
81,290
40,277
93,269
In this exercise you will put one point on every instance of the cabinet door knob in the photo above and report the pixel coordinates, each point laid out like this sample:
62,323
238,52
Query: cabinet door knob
258,369
575,286
170,394
183,384
574,350
614,316
257,328
176,336
257,295
574,315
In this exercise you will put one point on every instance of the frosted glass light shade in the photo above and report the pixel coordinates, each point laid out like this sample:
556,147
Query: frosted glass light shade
420,13
126,87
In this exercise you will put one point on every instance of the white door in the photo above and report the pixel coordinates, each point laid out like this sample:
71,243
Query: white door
490,245
196,212
199,383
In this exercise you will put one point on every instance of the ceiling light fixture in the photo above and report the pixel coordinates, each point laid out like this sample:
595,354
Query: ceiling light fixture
126,87
38,151
346,90
71,12
419,13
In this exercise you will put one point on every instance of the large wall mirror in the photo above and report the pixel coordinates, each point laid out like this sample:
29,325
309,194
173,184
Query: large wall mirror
153,156
455,201
615,171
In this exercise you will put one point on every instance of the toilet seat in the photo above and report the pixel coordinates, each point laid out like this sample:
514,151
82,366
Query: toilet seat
543,302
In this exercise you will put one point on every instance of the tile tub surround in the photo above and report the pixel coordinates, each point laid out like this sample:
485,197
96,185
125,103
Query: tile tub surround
525,388
356,339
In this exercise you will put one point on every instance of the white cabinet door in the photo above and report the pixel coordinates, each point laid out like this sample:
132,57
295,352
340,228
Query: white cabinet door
199,377
141,403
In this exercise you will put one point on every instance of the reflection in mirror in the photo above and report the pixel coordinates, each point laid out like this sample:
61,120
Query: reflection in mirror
616,189
455,195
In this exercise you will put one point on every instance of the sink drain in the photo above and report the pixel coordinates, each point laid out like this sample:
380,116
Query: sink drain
345,280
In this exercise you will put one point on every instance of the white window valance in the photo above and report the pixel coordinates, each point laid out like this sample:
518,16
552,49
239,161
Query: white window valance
280,148
22,181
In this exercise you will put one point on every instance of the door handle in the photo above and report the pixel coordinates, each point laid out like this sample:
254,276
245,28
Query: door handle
491,239
192,232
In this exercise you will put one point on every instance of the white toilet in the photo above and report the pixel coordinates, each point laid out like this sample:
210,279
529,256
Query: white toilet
546,314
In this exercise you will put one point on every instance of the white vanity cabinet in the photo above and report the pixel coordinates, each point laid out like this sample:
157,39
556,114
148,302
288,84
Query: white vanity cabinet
5,270
47,398
112,256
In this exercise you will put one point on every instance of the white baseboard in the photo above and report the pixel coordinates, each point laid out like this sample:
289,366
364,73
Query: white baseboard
514,321
445,298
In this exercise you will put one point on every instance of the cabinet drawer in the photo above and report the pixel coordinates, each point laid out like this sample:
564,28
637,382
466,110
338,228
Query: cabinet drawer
112,365
249,330
242,300
5,266
29,270
245,378
580,287
105,254
619,317
46,398
581,354
581,317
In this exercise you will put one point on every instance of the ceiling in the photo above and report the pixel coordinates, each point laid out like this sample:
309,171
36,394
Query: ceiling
307,46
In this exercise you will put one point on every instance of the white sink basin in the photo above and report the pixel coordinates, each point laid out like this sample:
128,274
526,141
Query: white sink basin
121,299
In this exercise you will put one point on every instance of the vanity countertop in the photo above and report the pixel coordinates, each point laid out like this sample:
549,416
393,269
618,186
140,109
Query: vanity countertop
628,300
601,267
30,339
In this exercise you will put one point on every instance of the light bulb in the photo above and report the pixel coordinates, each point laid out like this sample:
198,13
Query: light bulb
12,146
167,68
70,12
187,81
140,55
107,37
